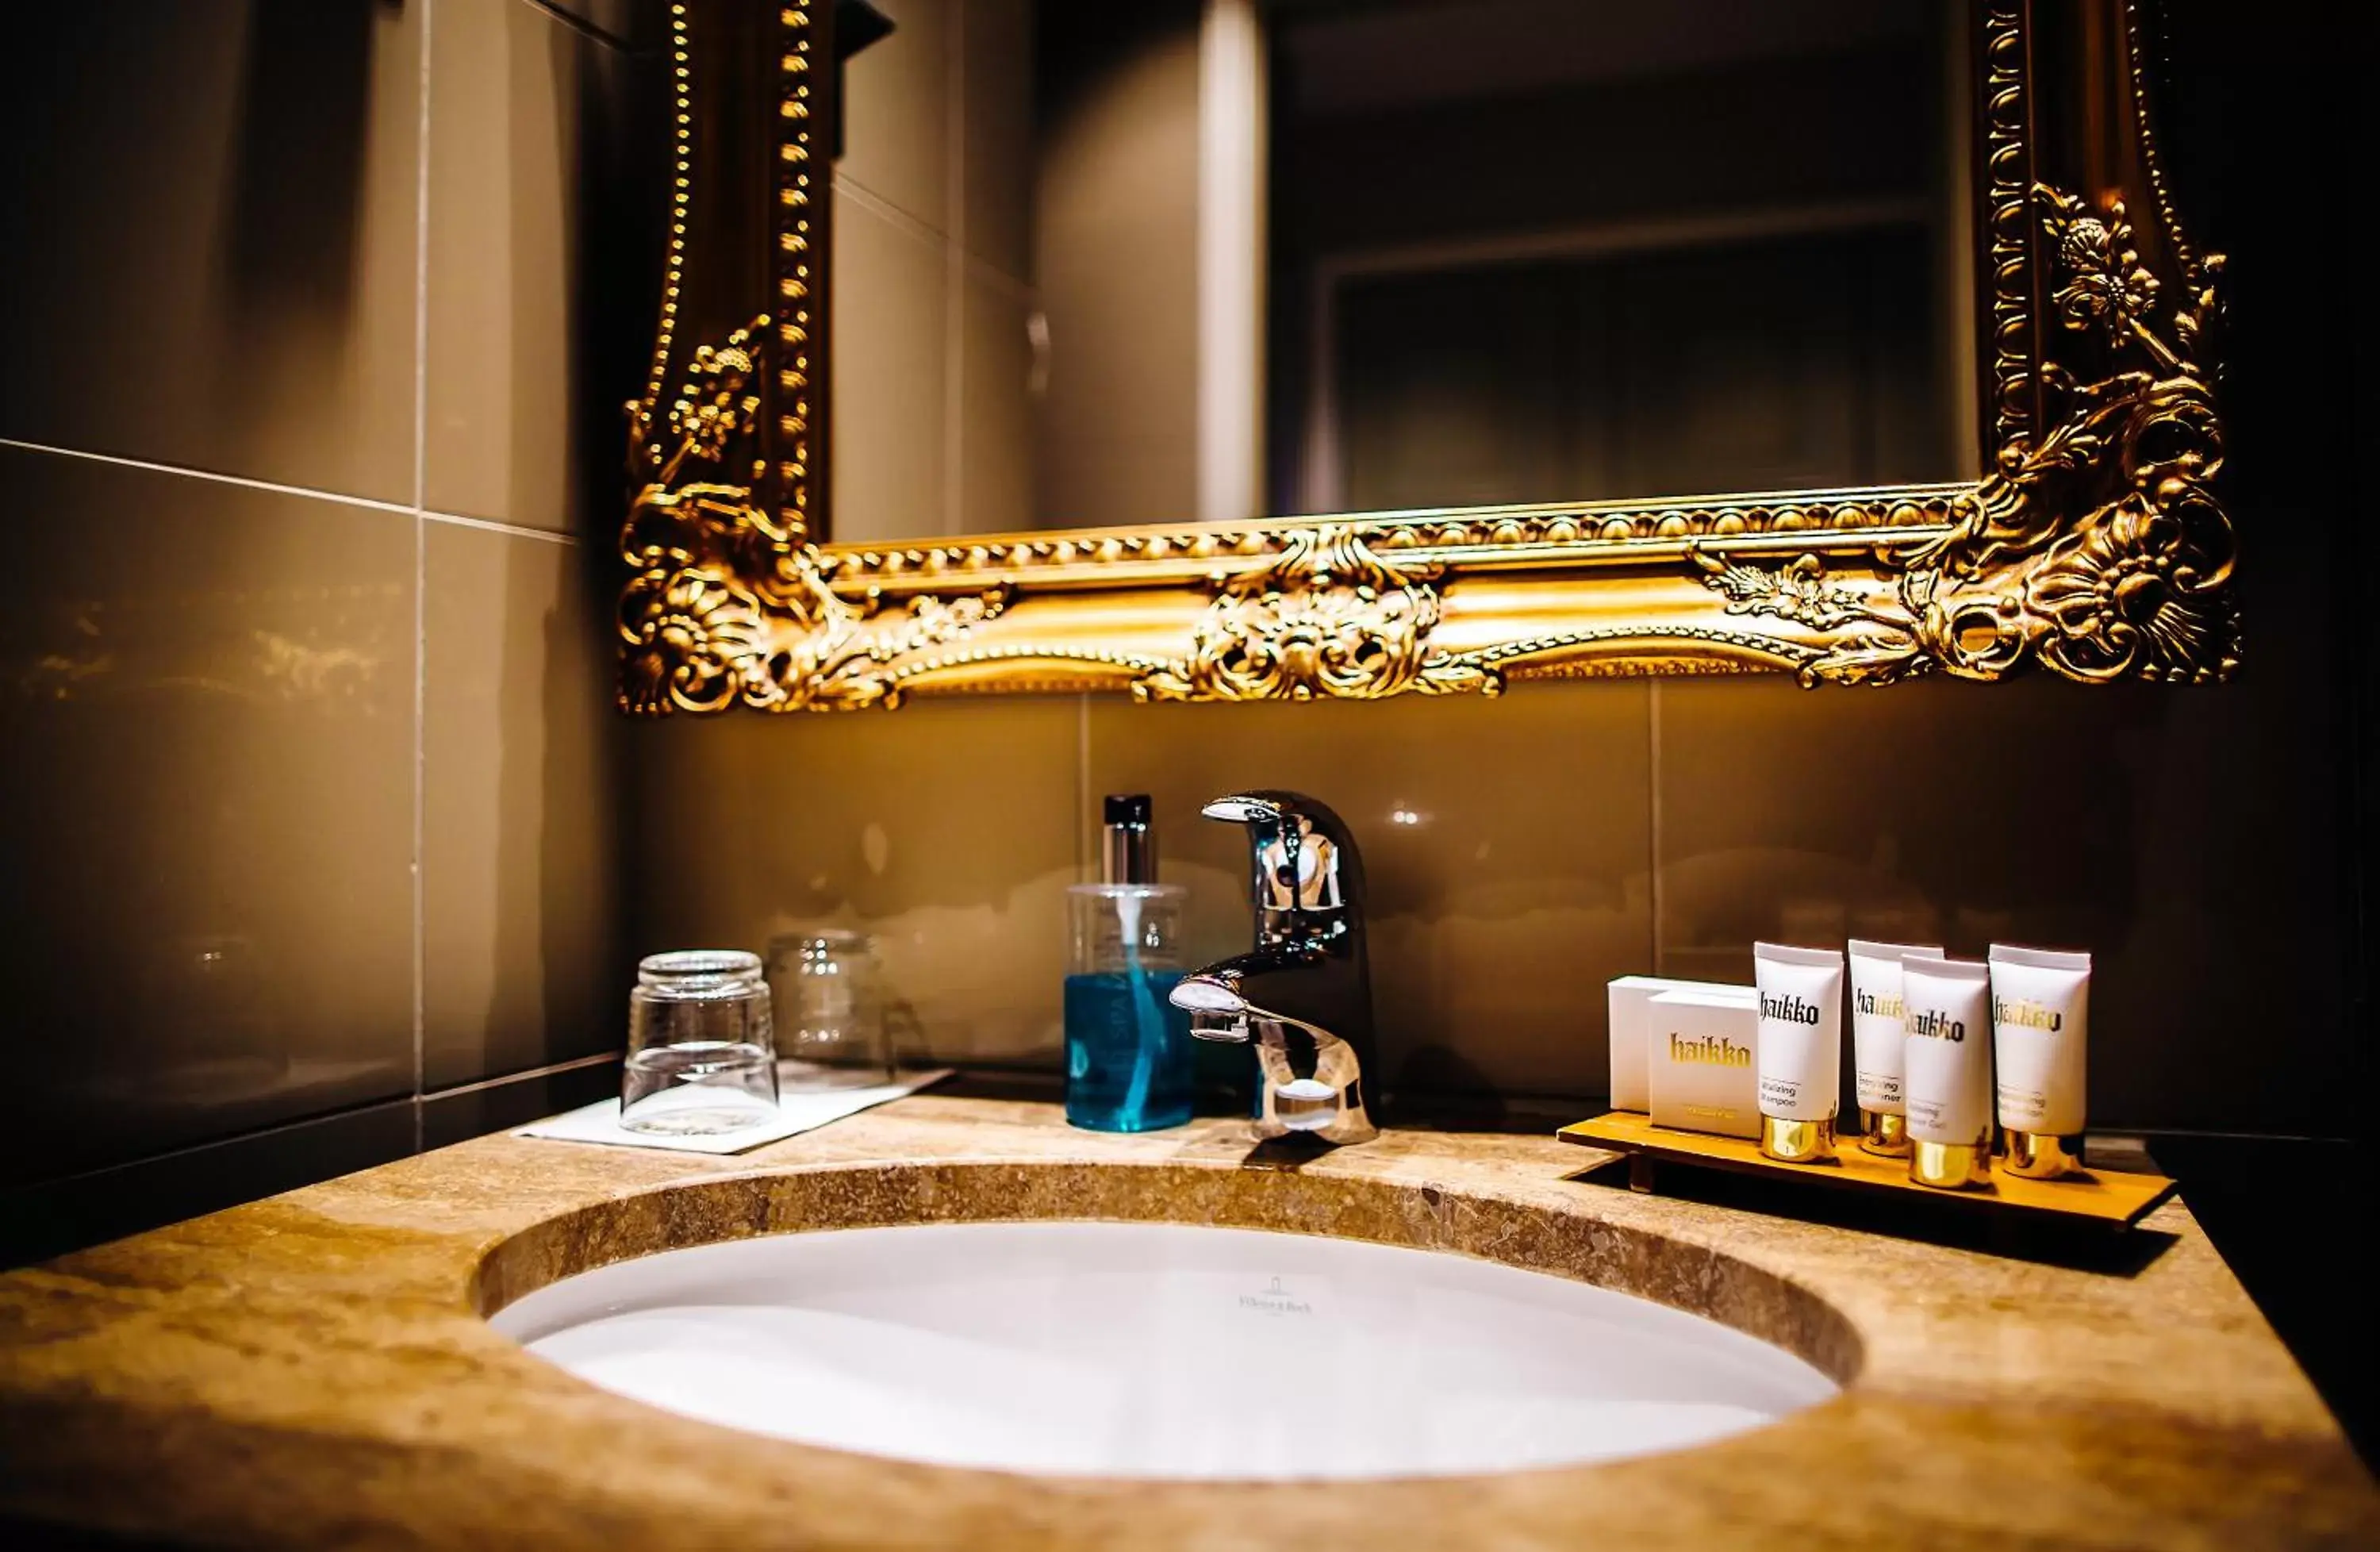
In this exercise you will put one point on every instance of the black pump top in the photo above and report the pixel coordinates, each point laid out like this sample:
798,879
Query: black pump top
1127,853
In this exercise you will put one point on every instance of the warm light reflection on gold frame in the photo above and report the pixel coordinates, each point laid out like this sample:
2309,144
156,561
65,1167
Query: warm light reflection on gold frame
2094,547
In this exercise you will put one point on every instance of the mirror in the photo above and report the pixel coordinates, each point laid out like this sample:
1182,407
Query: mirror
1101,264
1217,350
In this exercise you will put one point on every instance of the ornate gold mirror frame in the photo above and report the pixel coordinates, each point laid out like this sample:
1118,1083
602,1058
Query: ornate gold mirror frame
2095,546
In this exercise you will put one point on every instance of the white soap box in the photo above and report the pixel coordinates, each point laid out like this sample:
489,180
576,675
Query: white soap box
1631,1022
1702,1064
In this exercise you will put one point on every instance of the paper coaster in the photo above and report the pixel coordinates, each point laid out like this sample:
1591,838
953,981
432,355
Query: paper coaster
797,1113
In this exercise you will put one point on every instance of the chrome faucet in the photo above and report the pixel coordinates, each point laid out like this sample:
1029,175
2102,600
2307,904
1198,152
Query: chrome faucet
1307,972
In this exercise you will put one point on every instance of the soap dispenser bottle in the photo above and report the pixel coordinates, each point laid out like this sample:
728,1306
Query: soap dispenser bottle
1129,1062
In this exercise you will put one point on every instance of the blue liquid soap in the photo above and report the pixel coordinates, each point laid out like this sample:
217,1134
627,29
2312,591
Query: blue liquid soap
1129,1064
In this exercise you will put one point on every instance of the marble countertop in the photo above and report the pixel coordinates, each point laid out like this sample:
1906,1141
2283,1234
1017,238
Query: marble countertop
315,1369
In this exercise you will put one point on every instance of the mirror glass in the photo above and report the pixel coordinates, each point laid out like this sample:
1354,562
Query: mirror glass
1101,264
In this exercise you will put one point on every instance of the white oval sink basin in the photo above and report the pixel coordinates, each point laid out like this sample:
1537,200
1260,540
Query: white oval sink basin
1150,1350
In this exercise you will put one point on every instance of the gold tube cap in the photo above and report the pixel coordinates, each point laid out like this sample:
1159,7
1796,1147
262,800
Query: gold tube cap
1797,1142
1948,1166
1887,1135
2040,1155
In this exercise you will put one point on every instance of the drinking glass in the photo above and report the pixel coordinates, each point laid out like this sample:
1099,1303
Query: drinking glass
832,1010
701,1057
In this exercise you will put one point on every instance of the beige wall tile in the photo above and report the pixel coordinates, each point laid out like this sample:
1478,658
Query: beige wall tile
2155,828
947,830
211,239
891,356
1496,914
521,953
996,488
546,189
896,107
206,836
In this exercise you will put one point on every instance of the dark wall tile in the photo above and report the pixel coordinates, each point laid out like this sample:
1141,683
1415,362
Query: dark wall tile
2266,1236
549,152
210,253
1506,845
947,829
520,903
206,825
65,1215
2185,837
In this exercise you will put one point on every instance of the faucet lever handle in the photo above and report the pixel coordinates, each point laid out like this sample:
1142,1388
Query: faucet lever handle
1242,808
1299,850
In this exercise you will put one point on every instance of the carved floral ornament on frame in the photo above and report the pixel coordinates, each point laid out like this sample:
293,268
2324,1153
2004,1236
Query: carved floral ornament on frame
2096,546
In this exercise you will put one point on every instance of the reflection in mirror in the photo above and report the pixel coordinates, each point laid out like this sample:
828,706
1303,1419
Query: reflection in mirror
1101,264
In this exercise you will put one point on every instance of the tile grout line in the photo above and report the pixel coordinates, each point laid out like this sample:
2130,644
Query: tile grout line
894,215
420,550
1653,805
336,498
236,1139
303,493
860,194
1086,849
490,525
2148,1134
587,28
955,279
552,1069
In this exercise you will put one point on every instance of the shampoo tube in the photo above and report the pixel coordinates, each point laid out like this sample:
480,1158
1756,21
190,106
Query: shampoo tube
1947,1069
1878,1030
1800,1050
2040,1021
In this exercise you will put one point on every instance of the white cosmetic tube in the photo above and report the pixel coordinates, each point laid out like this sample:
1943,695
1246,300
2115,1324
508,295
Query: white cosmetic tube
1800,1051
1878,1032
2041,1018
1947,1070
